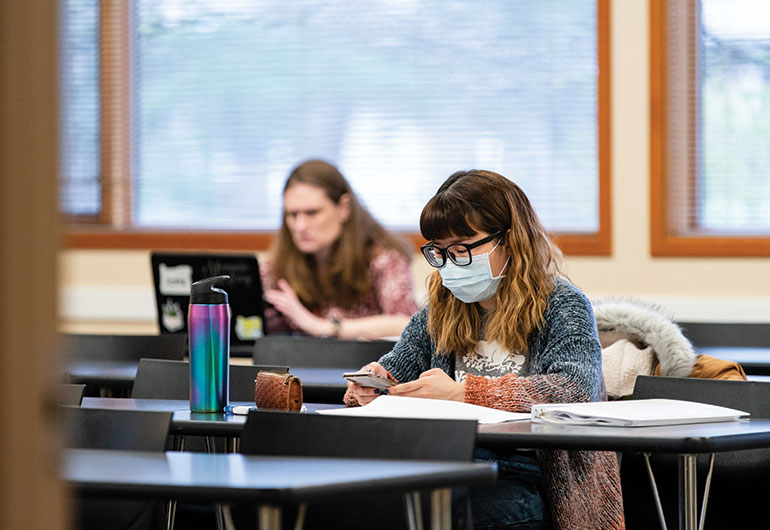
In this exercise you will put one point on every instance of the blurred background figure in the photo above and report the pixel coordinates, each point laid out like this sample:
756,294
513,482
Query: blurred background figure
333,270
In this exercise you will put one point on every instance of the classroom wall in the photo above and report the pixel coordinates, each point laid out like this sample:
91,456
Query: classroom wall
694,289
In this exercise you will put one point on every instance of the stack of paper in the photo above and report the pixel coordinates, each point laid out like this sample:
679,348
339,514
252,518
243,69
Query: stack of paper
410,407
634,412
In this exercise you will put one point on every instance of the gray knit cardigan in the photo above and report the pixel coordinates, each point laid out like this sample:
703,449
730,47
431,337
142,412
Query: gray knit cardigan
583,487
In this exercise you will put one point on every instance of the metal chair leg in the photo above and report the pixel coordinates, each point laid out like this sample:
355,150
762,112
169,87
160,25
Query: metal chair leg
655,494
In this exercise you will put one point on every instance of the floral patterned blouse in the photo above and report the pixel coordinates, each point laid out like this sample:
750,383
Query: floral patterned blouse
391,293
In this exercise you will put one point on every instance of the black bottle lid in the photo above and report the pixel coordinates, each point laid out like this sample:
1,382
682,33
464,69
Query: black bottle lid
205,292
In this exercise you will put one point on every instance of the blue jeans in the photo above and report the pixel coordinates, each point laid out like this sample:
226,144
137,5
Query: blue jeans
516,499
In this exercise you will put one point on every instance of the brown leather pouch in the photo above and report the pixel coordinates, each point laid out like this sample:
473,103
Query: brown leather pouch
274,391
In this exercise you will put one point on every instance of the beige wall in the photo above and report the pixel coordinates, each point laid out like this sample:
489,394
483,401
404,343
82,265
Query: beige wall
708,289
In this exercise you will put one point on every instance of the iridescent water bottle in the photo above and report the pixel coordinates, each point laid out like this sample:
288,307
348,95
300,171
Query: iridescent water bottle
209,335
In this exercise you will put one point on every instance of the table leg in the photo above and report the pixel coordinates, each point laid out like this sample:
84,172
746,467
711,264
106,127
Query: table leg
413,508
688,485
269,517
441,509
655,494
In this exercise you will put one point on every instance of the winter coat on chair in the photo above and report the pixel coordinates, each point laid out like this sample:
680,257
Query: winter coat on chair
639,338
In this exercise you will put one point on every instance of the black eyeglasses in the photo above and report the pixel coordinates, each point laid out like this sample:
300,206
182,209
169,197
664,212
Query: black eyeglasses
459,253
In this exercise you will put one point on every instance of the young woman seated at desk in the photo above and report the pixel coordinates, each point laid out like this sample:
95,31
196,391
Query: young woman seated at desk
334,270
504,329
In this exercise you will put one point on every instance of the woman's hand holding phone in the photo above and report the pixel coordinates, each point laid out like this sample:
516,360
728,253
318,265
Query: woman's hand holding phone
366,394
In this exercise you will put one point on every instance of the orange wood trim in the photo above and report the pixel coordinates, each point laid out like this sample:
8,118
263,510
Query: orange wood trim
601,242
713,246
96,238
658,132
664,241
115,113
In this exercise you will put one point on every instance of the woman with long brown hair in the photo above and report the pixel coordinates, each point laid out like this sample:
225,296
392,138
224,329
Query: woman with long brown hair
503,328
333,270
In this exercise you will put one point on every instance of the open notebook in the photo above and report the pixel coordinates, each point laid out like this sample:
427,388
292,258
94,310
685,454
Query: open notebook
634,413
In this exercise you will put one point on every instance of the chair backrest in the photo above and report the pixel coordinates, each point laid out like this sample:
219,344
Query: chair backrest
136,430
293,434
750,396
161,379
315,352
71,394
736,334
125,347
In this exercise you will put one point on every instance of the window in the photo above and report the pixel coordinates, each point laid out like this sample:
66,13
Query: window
710,127
183,119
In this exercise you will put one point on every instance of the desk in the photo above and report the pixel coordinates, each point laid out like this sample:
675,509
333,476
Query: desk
114,375
755,361
184,422
319,385
269,481
686,440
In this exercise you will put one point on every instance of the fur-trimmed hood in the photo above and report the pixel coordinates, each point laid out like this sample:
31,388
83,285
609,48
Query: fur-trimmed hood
645,324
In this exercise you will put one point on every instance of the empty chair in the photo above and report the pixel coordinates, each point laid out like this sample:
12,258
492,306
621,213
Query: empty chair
71,394
161,379
739,477
293,434
117,429
315,352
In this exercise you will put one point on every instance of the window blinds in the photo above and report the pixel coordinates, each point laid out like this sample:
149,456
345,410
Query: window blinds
229,96
719,117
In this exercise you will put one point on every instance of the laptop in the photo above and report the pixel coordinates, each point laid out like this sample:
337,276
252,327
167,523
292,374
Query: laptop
174,273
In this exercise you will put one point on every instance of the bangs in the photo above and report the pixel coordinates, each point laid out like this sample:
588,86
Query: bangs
445,216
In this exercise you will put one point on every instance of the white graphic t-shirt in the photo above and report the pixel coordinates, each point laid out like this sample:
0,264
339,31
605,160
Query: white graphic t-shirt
490,360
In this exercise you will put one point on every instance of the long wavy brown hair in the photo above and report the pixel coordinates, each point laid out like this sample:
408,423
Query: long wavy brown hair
483,201
345,279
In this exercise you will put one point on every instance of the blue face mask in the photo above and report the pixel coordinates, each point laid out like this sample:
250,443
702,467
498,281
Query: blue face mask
474,282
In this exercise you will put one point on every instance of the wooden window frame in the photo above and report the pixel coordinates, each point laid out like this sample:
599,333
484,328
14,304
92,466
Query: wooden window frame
113,230
666,233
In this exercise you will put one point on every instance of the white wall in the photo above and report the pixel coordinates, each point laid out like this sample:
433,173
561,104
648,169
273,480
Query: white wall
112,290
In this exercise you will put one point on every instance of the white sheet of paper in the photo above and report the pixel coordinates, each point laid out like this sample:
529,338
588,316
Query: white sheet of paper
411,407
634,413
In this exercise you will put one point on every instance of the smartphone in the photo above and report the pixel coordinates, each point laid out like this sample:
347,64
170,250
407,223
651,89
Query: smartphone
369,379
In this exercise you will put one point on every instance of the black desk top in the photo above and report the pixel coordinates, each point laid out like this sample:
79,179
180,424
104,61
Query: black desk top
183,421
753,360
318,384
265,479
690,438
115,373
